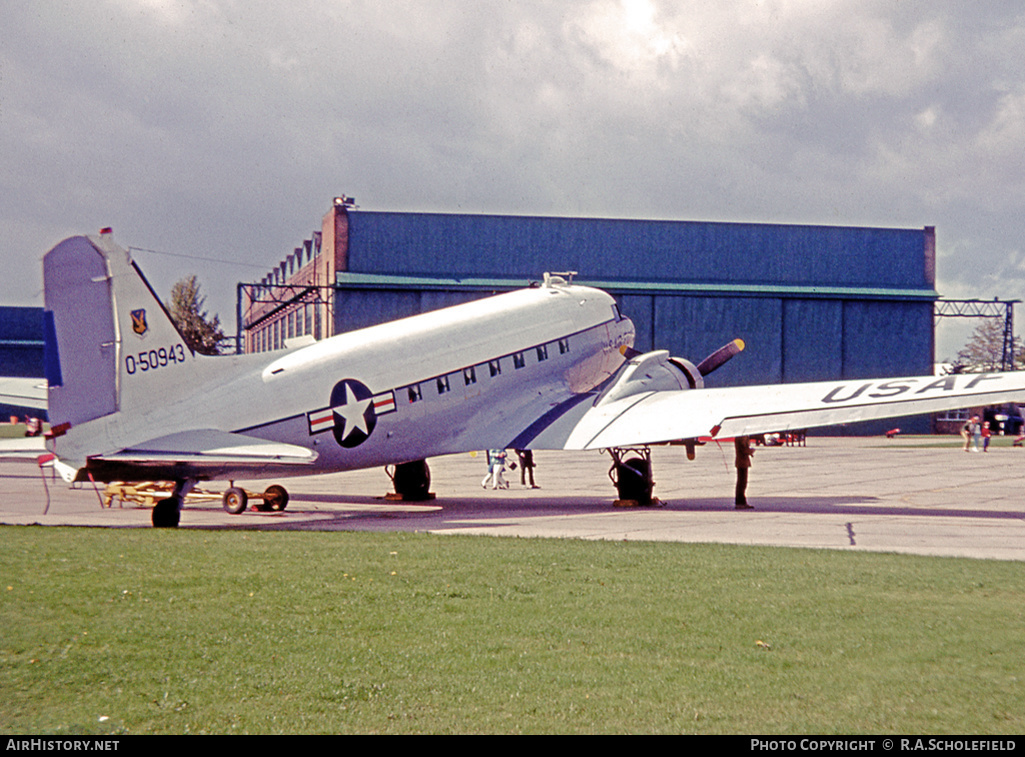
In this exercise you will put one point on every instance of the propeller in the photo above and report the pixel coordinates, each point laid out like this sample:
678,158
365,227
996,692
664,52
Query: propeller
720,356
706,366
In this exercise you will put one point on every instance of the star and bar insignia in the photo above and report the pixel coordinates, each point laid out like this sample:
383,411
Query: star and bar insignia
352,414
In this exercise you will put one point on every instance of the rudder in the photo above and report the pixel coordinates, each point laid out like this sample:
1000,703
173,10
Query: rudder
80,352
110,344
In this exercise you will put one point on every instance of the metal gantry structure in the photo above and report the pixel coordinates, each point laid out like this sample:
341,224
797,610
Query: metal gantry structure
995,308
275,299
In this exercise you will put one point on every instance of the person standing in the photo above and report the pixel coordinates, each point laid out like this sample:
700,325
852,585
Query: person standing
496,465
976,433
742,446
526,457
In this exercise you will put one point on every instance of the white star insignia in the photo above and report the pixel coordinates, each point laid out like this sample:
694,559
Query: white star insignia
352,414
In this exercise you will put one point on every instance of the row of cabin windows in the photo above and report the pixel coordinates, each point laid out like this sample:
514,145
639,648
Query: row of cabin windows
415,392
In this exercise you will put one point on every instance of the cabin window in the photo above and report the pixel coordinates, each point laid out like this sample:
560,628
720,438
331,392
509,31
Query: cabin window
414,393
563,346
542,352
469,376
442,384
518,360
495,367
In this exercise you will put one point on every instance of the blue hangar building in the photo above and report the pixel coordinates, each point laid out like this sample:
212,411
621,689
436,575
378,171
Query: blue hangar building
811,302
21,348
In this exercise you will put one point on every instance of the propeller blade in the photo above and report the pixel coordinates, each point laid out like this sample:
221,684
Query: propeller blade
720,356
629,352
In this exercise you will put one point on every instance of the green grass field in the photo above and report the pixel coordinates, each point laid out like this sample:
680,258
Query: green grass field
139,631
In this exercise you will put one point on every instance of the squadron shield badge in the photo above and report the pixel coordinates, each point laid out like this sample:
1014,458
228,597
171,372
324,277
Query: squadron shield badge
139,325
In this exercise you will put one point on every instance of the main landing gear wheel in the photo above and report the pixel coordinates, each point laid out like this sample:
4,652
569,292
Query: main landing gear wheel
275,497
235,500
632,476
412,480
166,513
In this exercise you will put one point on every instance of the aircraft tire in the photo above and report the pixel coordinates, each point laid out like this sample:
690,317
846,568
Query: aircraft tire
633,480
235,500
276,497
166,514
413,480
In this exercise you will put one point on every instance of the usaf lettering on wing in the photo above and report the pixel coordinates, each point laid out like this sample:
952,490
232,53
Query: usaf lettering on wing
895,387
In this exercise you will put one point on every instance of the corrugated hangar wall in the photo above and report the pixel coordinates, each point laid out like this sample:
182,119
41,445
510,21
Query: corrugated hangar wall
634,250
21,347
811,302
21,341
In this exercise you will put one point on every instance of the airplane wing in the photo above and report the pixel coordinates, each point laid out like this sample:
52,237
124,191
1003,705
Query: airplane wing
639,409
23,392
22,448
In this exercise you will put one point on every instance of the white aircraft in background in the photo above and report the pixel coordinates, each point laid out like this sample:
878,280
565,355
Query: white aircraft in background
547,367
23,392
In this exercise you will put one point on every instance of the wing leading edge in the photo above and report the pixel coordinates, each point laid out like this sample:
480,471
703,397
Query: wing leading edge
660,416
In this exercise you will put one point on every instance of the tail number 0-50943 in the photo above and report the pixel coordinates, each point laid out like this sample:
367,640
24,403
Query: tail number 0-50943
151,360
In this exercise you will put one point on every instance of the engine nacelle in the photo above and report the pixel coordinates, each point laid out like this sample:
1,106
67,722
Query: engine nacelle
652,372
694,378
658,372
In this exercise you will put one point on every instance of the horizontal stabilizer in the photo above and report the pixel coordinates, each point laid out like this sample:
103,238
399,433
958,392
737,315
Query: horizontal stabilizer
211,447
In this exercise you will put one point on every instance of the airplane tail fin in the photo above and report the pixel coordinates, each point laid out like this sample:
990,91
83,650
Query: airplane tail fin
109,343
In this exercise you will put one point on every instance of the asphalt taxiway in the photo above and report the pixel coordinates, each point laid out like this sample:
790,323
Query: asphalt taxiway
855,494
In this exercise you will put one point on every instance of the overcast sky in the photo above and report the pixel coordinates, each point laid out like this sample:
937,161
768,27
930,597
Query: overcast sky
223,128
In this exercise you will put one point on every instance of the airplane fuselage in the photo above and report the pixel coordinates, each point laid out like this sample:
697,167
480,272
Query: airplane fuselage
452,380
449,381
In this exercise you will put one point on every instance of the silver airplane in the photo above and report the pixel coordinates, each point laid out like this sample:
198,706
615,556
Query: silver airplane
547,367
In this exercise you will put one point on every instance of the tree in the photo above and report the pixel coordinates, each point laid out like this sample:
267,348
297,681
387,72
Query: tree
201,333
984,351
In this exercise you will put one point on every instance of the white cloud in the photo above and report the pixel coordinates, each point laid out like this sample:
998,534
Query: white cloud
217,125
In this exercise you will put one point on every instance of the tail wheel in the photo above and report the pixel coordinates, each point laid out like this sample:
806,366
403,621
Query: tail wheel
276,497
235,500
